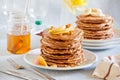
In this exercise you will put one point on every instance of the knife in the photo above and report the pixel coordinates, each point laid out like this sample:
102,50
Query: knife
17,74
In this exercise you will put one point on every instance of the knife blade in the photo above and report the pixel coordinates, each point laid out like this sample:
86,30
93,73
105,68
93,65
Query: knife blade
17,74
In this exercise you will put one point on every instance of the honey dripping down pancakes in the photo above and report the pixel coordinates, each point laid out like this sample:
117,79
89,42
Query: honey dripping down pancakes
62,46
95,24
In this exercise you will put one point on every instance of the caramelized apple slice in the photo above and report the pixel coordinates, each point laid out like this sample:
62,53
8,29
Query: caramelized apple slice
39,60
62,29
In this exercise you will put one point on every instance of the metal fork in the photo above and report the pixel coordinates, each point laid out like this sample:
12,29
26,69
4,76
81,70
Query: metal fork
18,66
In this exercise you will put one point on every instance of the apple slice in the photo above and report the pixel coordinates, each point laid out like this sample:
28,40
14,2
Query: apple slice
66,29
39,60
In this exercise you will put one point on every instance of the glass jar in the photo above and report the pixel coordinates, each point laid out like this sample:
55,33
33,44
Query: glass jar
18,34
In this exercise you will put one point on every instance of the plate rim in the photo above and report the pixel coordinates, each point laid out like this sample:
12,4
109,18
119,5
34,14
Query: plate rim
101,44
100,47
50,68
99,41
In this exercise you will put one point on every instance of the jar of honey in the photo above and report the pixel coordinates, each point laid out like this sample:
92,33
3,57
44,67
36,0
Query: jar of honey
18,34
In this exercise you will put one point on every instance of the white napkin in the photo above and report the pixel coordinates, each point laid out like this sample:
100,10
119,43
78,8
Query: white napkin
108,68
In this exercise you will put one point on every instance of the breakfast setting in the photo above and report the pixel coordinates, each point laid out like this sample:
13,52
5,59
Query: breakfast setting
59,40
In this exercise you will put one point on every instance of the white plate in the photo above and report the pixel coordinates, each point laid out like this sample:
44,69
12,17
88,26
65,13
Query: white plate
99,48
90,56
115,38
101,44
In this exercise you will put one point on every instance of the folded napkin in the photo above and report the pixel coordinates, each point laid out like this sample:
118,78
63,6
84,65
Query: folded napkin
108,68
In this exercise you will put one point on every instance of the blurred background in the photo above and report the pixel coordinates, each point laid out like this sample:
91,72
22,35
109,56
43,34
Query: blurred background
54,12
51,12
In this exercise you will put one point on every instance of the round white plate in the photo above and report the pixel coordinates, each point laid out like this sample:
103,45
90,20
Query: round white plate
99,48
101,44
90,56
115,38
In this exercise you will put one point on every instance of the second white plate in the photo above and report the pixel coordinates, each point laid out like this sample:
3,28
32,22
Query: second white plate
101,44
100,48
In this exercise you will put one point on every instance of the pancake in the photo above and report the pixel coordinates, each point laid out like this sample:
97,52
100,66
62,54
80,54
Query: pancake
63,42
98,33
83,59
77,33
99,38
94,27
74,59
60,51
105,34
94,19
66,64
55,46
61,56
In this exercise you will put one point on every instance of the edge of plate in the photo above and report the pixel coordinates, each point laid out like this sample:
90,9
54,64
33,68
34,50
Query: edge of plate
113,39
50,68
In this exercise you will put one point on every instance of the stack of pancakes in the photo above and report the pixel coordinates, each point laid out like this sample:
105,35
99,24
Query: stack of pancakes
62,50
96,27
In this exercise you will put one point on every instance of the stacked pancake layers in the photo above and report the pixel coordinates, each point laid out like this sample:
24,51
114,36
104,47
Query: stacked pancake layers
62,50
96,27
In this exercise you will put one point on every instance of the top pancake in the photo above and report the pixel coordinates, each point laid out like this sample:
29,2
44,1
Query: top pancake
76,33
94,19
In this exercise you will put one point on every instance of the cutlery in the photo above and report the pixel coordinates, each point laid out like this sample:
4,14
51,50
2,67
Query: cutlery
17,74
18,66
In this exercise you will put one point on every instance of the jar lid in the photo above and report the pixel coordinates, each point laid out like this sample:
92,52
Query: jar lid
38,22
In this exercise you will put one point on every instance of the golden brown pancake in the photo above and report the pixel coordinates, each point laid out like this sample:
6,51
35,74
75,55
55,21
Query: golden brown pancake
105,34
61,56
66,64
83,59
74,59
55,46
77,33
96,27
62,50
98,33
63,42
94,19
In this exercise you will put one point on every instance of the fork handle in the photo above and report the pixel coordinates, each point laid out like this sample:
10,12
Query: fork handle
15,75
47,77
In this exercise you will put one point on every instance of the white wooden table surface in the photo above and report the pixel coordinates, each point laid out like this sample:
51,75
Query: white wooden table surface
84,74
